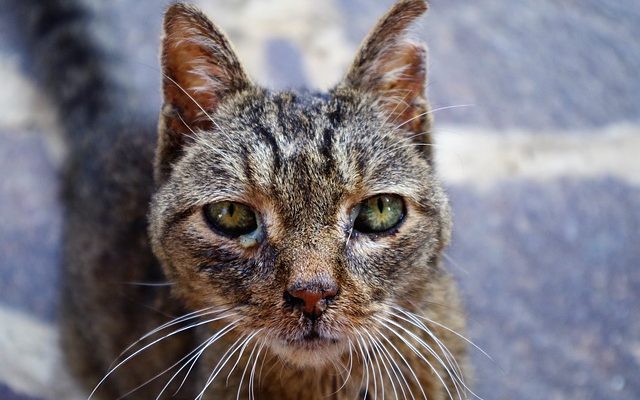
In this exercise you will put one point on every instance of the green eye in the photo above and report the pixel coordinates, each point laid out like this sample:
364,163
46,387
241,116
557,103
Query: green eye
231,219
379,213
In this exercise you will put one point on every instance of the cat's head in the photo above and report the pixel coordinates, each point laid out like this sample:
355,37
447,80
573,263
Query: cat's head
304,214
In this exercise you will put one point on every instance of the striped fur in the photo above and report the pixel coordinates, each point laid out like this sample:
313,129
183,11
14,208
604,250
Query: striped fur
303,160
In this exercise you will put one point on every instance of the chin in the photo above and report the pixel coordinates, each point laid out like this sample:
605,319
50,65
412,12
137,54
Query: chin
310,351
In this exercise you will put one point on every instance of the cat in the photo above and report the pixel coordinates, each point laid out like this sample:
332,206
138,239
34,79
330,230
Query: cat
292,239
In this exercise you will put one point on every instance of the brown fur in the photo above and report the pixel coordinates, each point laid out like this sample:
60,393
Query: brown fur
303,161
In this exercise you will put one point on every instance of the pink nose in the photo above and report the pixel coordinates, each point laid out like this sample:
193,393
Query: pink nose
312,301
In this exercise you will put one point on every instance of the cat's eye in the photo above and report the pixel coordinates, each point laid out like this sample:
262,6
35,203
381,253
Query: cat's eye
231,219
379,213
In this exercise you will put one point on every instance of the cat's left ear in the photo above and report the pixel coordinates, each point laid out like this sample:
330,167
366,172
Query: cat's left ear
200,70
393,68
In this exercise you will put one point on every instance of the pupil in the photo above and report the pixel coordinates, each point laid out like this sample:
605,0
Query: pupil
232,209
380,205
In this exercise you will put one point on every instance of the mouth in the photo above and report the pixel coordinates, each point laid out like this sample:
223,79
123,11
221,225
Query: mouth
310,349
312,340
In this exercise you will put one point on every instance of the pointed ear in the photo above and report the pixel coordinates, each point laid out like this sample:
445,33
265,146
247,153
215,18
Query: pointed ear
199,69
393,68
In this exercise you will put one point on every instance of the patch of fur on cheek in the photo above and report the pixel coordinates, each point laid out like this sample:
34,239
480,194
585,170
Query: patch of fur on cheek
390,265
195,258
367,246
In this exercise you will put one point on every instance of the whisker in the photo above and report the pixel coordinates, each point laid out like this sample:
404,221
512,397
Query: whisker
448,355
413,373
349,237
454,332
163,372
379,358
365,368
193,360
373,370
244,371
400,145
178,320
402,101
455,264
278,362
431,112
253,370
193,133
192,99
456,376
221,363
262,366
395,368
201,346
344,381
111,371
416,351
337,367
244,347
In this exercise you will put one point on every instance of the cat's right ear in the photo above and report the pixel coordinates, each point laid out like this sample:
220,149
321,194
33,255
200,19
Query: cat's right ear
199,69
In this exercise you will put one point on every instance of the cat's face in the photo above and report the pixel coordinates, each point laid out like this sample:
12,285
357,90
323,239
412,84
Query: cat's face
303,215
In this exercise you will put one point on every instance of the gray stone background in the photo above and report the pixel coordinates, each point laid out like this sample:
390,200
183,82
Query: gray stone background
540,159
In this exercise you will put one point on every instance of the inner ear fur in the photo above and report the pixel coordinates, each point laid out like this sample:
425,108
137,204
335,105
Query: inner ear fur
393,68
199,71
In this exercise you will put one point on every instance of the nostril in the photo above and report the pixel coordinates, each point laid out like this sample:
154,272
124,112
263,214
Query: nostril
330,294
311,302
292,301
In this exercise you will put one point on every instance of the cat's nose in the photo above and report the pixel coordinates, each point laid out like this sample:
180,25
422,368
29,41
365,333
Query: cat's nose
311,300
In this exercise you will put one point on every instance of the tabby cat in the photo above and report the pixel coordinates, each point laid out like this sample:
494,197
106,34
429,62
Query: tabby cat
294,243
